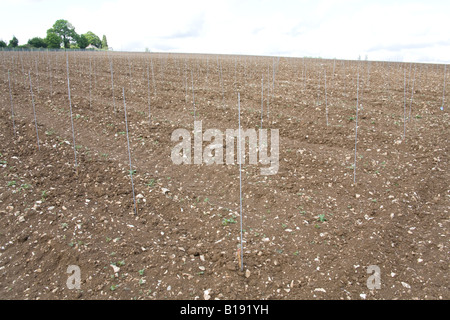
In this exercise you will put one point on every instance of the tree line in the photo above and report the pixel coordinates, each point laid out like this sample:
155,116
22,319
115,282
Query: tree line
61,35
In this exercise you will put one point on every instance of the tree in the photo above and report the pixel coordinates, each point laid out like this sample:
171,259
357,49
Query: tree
82,41
37,42
104,43
66,32
2,44
93,39
53,40
14,42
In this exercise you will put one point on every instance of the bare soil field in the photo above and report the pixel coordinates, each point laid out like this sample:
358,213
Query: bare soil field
309,231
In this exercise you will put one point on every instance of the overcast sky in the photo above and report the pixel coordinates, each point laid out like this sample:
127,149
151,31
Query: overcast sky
382,30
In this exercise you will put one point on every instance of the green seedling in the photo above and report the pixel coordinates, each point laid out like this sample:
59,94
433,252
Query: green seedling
24,186
151,182
302,210
322,218
226,221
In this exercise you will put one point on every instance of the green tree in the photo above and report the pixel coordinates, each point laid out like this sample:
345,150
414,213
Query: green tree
66,32
2,44
93,39
82,41
104,43
14,42
53,40
37,42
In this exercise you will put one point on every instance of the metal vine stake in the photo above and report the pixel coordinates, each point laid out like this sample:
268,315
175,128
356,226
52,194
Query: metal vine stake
356,127
12,106
34,111
241,248
71,115
129,152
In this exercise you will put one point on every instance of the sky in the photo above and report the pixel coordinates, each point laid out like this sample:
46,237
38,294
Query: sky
409,31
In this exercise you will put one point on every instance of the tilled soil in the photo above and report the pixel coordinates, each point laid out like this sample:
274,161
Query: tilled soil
309,231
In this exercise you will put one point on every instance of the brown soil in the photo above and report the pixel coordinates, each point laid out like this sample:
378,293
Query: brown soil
184,242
